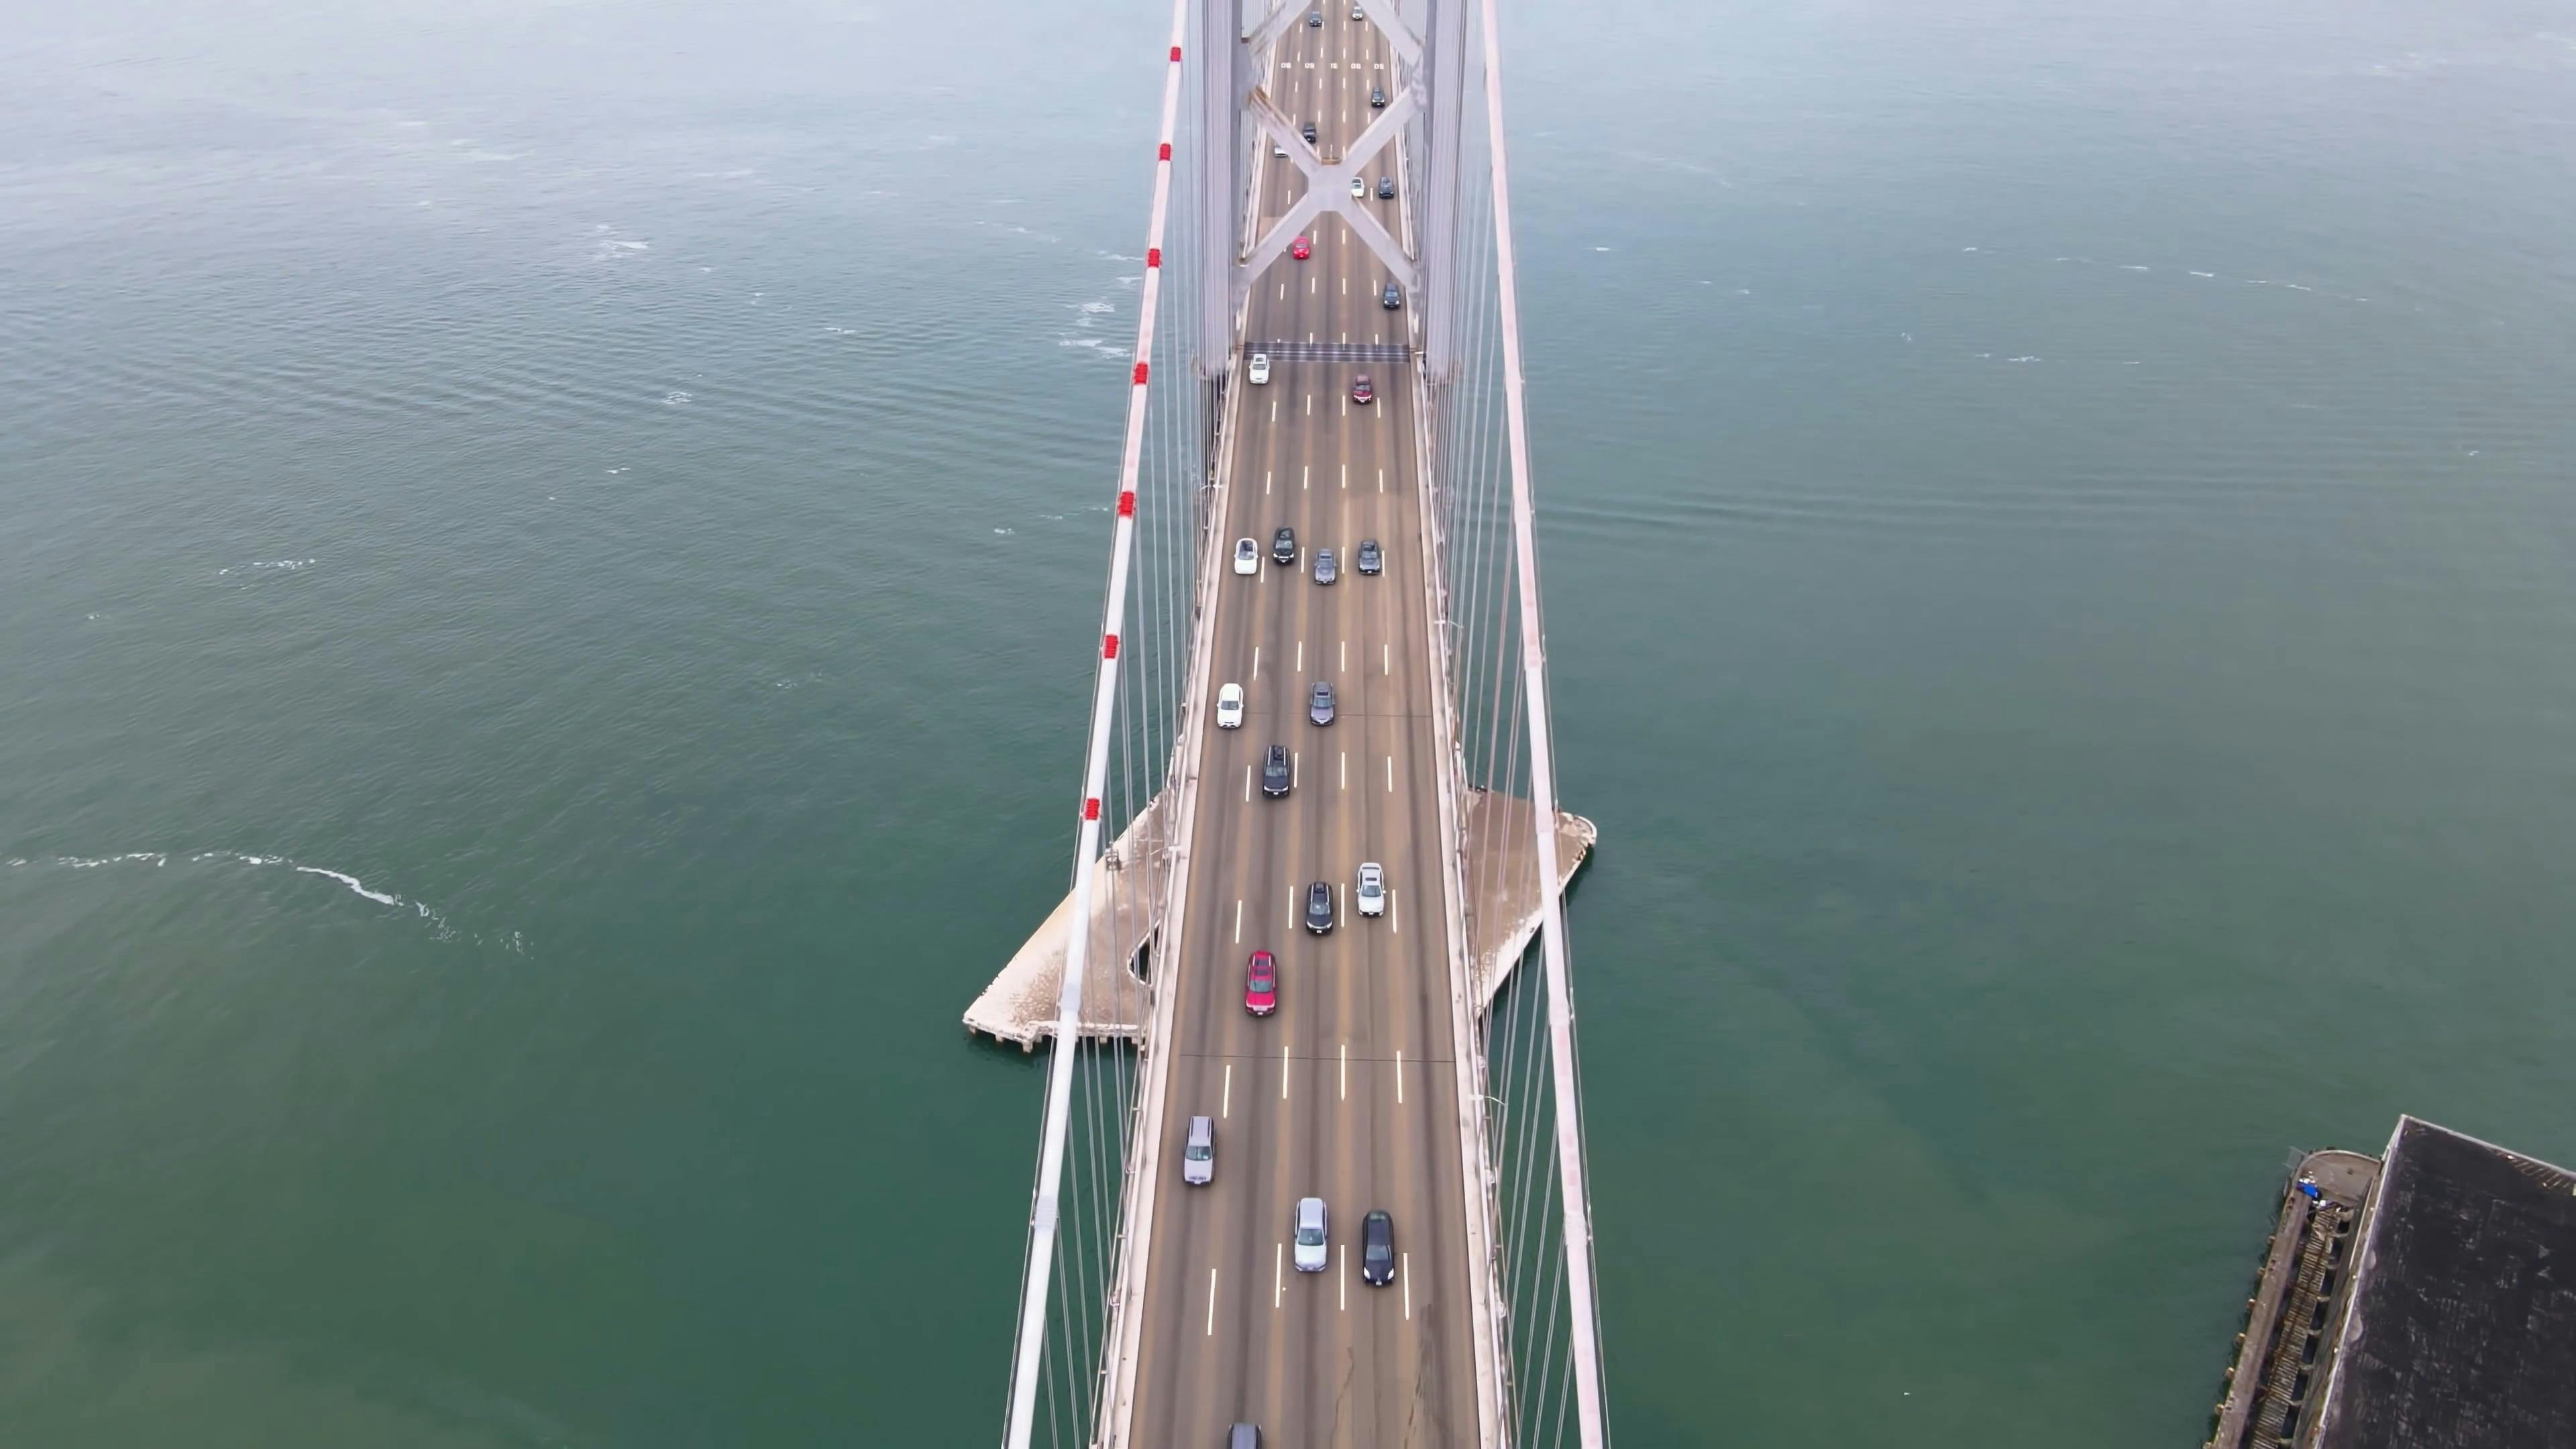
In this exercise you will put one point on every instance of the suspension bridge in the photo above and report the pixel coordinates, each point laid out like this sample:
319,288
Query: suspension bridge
1328,362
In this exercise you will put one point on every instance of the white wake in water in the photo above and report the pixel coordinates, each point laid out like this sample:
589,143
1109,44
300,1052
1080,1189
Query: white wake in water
422,910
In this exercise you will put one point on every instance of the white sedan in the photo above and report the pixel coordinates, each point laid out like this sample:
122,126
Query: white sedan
1359,188
1247,556
1372,890
1258,371
1229,707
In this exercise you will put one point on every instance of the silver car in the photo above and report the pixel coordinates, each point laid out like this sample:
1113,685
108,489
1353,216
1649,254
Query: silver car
1198,1153
1327,567
1314,1254
1319,706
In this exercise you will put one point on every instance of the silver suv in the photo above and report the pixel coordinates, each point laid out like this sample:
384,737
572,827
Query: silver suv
1198,1152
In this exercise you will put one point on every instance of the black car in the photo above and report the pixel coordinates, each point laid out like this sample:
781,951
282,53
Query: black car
1386,188
1377,1249
1276,775
1391,298
1369,559
1315,17
1309,133
1319,707
1283,546
1377,96
1319,908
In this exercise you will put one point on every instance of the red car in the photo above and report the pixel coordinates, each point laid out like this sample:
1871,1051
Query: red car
1300,250
1361,391
1261,984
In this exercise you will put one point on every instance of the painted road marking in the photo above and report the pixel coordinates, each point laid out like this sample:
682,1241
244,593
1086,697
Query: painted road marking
1301,656
1406,1272
1381,480
1346,769
1279,1279
1305,472
1342,1261
1394,914
1296,760
1211,1313
1256,661
1265,473
1385,659
1390,774
1283,1058
1346,1071
1346,475
1225,1105
1310,397
1238,920
1274,410
1310,285
1399,1076
1247,784
1346,286
1345,666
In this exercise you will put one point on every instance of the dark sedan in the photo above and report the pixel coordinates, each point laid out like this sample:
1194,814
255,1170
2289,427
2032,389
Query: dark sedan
1370,558
1377,1249
1283,546
1319,908
1277,773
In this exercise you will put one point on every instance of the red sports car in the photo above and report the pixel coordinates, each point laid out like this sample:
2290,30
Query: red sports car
1300,250
1261,984
1361,391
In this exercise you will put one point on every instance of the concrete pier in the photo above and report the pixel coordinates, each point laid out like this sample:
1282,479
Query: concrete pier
1127,903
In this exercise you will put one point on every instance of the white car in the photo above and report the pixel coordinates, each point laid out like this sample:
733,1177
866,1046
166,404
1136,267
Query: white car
1359,188
1258,371
1247,556
1229,707
1372,876
1314,1254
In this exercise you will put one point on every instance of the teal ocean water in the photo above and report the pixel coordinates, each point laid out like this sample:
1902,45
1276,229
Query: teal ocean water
542,608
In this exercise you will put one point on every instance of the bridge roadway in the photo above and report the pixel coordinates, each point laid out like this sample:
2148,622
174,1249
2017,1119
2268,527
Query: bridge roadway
1348,1092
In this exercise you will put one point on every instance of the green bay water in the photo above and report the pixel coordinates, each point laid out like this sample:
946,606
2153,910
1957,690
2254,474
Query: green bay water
543,604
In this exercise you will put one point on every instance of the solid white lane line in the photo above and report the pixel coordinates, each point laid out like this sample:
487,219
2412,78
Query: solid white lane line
1346,475
1399,1076
1346,1071
1305,475
1390,774
1283,296
1279,1278
1406,1272
1283,1071
1211,1313
1345,666
1338,902
1310,285
1256,661
1296,768
1381,478
1342,1261
1225,1104
1247,784
1274,410
1346,339
1265,473
1385,659
1346,769
1394,914
1238,920
1310,397
1346,286
1301,656
1346,404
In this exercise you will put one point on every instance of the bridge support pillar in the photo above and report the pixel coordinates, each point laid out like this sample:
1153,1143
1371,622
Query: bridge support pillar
1444,72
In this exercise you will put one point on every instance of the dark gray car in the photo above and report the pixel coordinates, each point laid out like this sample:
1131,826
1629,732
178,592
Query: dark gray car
1377,1249
1319,707
1309,133
1386,188
1327,568
1377,96
1277,774
1391,298
1319,908
1370,558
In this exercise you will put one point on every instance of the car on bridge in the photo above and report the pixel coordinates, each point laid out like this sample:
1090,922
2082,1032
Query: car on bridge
1247,556
1359,189
1301,249
1391,298
1377,1249
1361,392
1261,984
1357,13
1198,1153
1243,1436
1319,908
1283,545
1386,188
1377,97
1369,560
1319,704
1327,568
1314,1250
1372,891
1277,773
1229,707
1257,372
1308,131
1314,18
